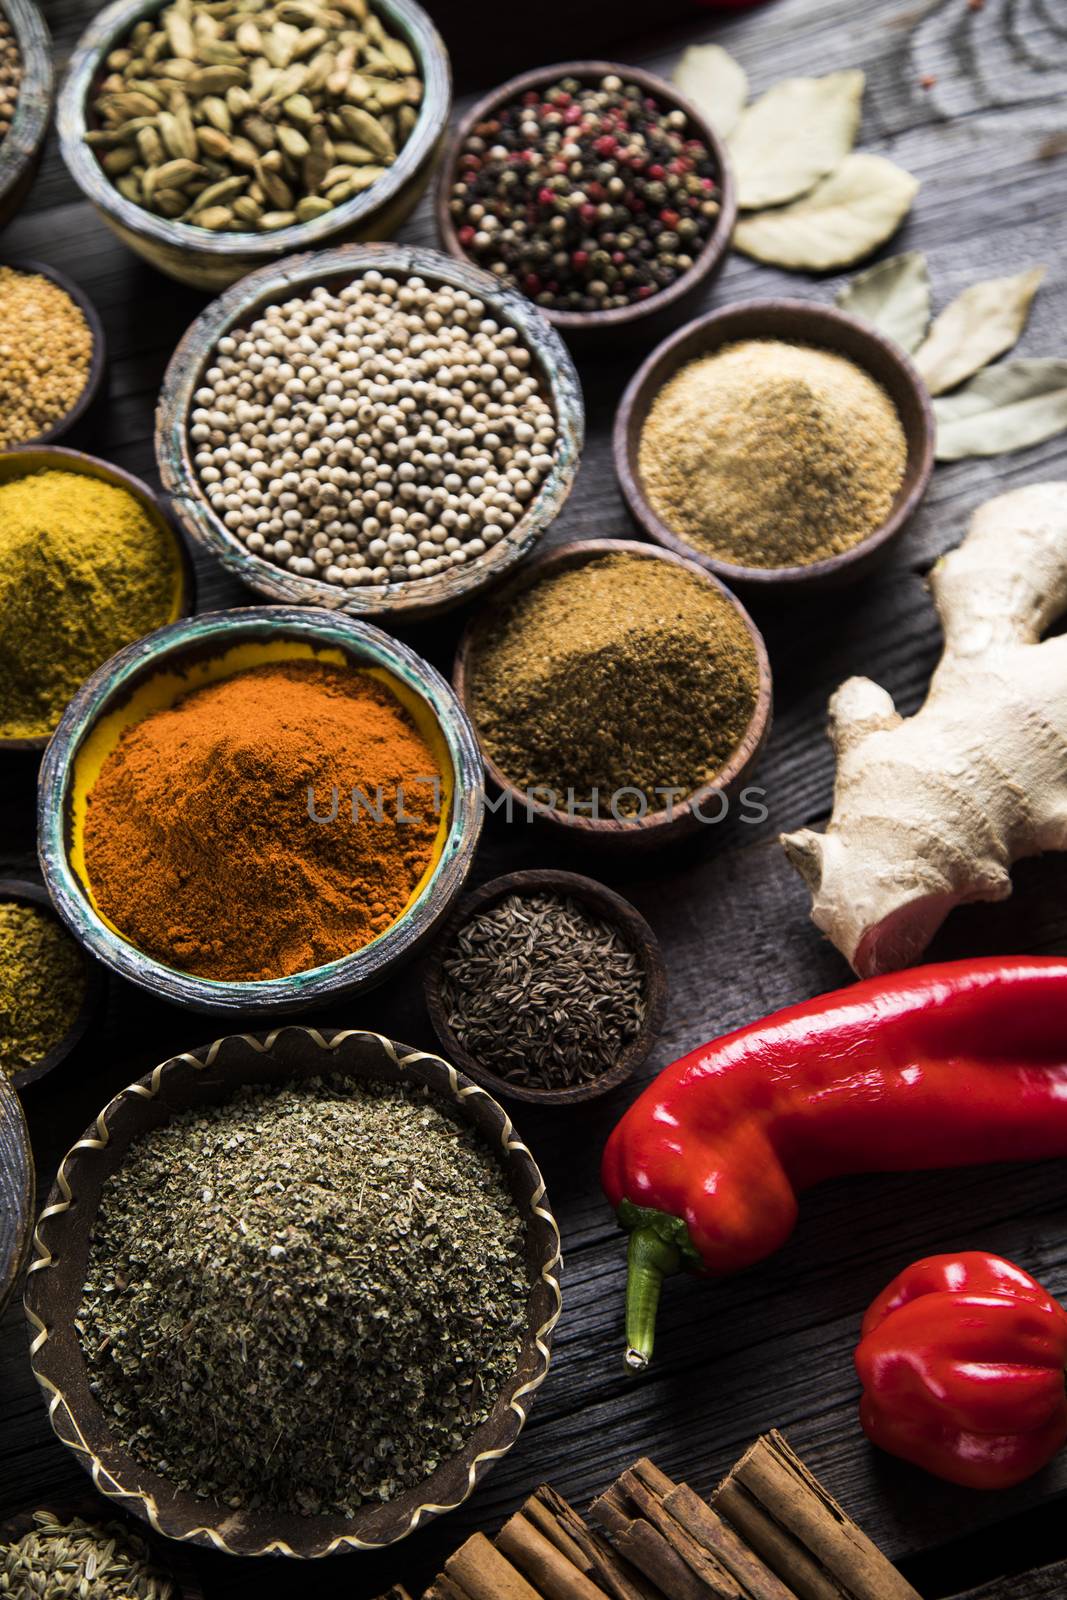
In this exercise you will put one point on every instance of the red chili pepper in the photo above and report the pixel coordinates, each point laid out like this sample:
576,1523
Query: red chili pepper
941,1066
962,1363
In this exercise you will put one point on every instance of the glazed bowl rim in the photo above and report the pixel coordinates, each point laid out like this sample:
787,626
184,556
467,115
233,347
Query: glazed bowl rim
640,393
224,629
109,26
715,246
33,108
417,597
185,1517
25,1178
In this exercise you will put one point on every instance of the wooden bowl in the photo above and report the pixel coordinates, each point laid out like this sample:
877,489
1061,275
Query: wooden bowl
211,261
75,423
23,461
90,1508
401,602
658,827
649,318
32,894
601,902
156,671
21,151
57,1273
16,1189
795,322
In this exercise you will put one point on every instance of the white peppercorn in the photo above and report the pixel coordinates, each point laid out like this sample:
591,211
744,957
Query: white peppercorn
384,432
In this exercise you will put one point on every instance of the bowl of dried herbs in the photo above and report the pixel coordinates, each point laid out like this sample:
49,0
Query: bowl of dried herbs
295,1294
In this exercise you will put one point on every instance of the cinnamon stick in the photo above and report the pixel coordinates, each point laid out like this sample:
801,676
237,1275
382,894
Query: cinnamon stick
615,1576
552,1527
443,1588
551,1573
482,1573
651,1553
703,1540
788,1518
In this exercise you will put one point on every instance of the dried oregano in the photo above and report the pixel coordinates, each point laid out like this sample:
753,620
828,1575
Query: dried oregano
305,1298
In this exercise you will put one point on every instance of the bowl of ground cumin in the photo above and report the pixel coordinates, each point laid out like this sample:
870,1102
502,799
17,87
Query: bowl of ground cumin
295,1294
777,442
620,693
259,809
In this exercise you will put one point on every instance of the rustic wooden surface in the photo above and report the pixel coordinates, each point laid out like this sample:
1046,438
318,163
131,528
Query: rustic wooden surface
971,100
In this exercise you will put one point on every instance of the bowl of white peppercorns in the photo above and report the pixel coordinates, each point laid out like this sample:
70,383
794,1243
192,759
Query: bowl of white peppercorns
371,429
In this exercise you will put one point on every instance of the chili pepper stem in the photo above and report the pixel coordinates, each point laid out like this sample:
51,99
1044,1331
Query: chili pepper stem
650,1258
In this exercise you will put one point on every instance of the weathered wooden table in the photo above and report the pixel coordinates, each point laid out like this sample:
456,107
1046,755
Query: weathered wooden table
971,98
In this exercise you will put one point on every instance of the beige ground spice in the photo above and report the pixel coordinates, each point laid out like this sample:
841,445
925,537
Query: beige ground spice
624,673
772,455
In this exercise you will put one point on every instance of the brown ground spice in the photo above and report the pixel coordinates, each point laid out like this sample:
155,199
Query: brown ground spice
772,455
626,672
198,841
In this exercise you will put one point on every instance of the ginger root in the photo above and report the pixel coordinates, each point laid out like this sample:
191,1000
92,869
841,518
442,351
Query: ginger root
930,811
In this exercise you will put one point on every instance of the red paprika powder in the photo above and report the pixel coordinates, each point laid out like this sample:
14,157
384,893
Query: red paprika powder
200,842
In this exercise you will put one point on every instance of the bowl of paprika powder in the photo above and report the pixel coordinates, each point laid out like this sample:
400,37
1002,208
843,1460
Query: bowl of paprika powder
260,809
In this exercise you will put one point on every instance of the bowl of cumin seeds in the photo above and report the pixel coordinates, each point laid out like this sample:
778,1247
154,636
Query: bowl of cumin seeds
294,1293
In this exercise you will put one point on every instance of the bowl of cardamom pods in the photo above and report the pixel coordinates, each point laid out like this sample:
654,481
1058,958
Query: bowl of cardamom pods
214,139
307,1367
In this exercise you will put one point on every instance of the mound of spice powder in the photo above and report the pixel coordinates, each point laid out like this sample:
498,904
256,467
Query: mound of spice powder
84,570
769,454
306,1298
587,196
46,350
10,76
81,1560
43,981
625,674
200,843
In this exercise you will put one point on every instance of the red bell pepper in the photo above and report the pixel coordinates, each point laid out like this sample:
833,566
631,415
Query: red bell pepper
962,1363
939,1066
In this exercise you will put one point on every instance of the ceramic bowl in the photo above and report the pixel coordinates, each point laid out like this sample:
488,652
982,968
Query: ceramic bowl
31,894
649,318
22,462
401,602
795,322
601,902
75,423
705,805
211,261
21,151
16,1189
57,1273
158,670
93,1510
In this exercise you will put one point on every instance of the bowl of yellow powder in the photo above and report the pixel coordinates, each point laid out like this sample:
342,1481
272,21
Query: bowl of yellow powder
89,562
776,442
49,990
53,356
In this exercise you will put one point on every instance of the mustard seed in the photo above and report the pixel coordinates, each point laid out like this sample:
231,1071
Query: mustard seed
46,350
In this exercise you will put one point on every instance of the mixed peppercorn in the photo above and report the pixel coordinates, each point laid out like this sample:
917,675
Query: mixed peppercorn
587,196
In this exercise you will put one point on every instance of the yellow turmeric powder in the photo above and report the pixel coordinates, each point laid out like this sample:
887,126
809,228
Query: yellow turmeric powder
84,570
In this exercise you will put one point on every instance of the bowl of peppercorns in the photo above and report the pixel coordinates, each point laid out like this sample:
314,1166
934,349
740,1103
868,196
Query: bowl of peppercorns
597,190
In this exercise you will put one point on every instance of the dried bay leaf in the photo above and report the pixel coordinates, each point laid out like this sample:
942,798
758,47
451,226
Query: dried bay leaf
843,219
1007,407
794,135
979,325
893,297
716,83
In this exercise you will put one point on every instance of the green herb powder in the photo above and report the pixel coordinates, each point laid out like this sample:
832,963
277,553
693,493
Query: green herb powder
306,1298
42,984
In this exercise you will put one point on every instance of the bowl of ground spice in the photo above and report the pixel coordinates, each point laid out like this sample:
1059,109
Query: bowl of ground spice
53,355
16,1189
547,987
596,189
313,1364
89,561
27,82
216,137
259,810
618,691
778,442
375,429
49,989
